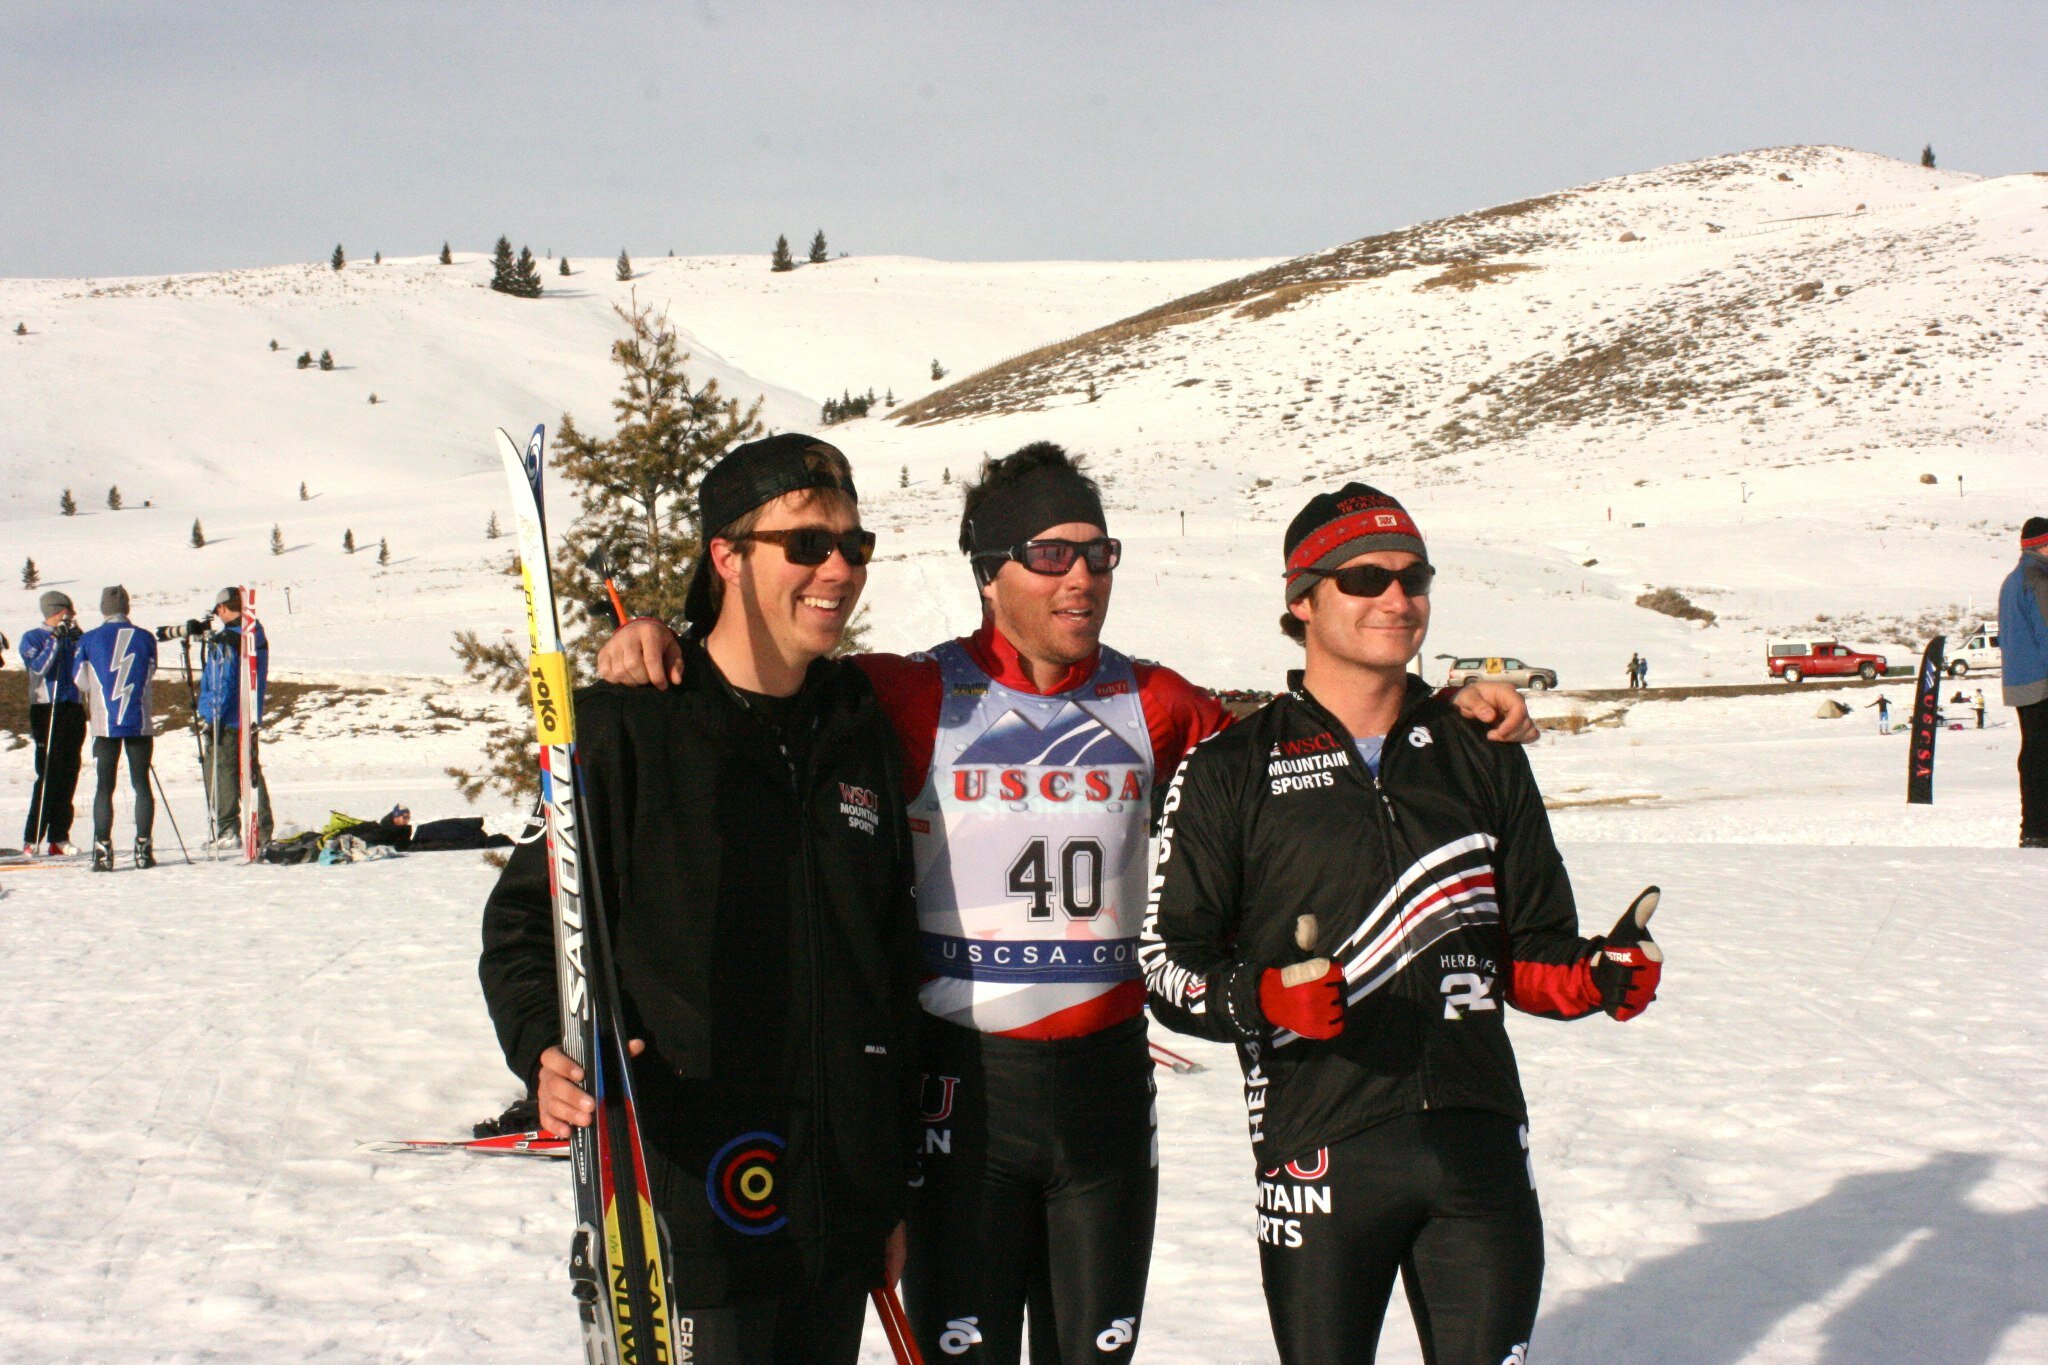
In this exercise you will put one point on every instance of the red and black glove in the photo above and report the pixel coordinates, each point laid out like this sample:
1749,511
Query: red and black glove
1628,964
1304,997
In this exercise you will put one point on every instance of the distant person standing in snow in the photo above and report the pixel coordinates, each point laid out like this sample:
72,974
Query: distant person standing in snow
116,663
1633,664
1643,672
1977,704
2023,620
220,723
56,722
1884,715
1352,886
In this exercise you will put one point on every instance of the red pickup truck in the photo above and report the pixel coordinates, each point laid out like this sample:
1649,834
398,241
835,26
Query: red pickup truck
1798,660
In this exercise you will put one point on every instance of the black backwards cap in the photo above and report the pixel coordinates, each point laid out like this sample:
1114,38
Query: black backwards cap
745,478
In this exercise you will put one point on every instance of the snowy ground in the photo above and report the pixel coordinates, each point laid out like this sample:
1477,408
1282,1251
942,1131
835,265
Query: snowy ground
1823,1144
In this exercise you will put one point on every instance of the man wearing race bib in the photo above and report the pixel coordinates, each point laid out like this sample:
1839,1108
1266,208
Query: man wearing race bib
1033,752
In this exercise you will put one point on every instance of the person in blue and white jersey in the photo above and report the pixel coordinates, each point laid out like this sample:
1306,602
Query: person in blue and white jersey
116,664
220,723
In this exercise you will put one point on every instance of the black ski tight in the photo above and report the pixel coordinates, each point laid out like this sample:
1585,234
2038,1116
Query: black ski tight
106,757
1447,1199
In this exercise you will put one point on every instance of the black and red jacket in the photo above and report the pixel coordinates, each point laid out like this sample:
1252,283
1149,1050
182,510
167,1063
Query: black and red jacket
1436,886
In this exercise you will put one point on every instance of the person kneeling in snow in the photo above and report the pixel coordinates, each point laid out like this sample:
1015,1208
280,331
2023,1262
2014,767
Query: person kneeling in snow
1351,884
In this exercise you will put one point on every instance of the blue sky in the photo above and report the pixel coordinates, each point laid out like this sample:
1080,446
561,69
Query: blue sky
150,137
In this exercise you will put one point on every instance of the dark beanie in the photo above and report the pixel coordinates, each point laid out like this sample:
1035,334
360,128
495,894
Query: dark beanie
2034,535
745,478
114,601
1335,527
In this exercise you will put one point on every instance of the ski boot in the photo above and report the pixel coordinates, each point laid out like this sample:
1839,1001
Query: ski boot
103,855
523,1116
145,856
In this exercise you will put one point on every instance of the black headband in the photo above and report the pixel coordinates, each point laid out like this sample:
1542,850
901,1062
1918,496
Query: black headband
1050,495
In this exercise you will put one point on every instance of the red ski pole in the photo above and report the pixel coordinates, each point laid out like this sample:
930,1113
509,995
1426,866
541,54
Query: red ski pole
896,1326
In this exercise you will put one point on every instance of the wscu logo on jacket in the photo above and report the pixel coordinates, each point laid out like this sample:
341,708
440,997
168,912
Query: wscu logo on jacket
861,807
1068,760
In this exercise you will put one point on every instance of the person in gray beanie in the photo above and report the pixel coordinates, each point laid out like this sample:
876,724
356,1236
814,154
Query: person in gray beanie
116,664
56,722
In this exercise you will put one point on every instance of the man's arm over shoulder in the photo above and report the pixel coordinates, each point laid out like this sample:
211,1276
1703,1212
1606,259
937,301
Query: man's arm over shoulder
1178,714
909,691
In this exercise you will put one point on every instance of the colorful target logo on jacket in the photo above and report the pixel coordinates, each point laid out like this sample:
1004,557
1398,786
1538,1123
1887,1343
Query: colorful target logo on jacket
742,1184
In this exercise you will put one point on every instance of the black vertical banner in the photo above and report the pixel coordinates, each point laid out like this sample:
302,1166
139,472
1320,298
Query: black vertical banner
1926,724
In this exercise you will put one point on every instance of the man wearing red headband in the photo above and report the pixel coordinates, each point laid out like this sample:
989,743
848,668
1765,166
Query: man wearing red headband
2023,644
1031,754
1351,884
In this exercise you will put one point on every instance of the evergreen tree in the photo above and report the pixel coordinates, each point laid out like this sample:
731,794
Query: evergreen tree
373,400
526,276
114,498
625,266
637,490
491,528
302,490
276,540
818,248
198,535
21,330
782,259
903,479
337,260
348,542
377,258
504,278
305,361
273,343
938,370
890,398
383,552
31,578
946,474
1927,156
327,360
67,504
447,256
565,265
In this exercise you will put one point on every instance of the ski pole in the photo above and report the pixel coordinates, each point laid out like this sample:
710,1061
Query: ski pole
896,1326
166,798
43,778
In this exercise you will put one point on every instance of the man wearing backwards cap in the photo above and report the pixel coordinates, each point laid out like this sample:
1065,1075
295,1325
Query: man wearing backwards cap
56,721
748,830
1032,751
2023,643
1350,885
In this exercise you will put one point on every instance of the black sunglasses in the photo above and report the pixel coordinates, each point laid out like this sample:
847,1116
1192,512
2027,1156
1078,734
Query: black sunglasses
811,545
1370,580
1056,557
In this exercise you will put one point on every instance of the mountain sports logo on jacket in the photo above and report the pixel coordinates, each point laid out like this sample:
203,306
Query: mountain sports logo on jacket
861,807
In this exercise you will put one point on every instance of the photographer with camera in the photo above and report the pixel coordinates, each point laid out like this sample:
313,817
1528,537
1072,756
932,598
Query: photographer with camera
220,719
56,721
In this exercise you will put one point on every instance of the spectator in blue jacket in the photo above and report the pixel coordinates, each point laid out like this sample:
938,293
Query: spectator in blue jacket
2023,626
220,723
116,664
56,722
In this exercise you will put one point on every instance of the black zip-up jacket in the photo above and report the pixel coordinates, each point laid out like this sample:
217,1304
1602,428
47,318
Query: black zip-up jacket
756,869
1436,886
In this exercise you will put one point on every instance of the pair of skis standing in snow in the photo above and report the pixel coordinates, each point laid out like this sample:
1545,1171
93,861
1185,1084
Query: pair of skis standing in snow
1031,755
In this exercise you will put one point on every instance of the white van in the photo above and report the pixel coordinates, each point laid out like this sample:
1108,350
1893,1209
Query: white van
1976,652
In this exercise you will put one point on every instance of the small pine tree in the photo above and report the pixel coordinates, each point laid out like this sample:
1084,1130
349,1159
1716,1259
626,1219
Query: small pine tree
376,258
383,552
526,276
21,330
504,278
198,535
303,495
348,542
305,361
276,540
337,260
491,528
327,360
782,259
565,265
938,370
114,498
818,256
890,398
373,400
1927,156
1093,393
31,578
273,343
625,266
946,475
67,504
447,256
